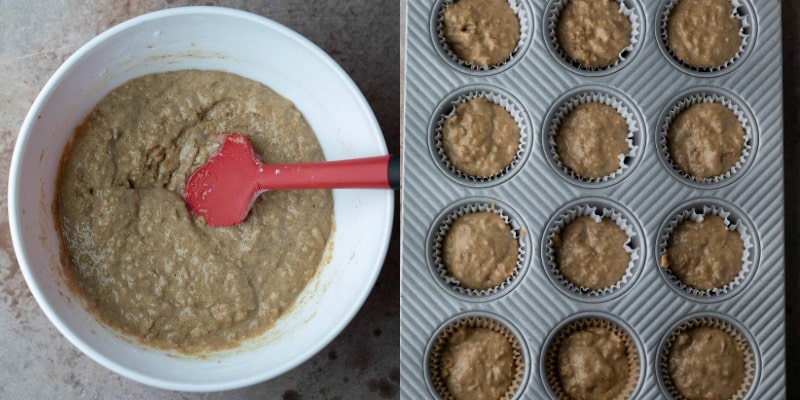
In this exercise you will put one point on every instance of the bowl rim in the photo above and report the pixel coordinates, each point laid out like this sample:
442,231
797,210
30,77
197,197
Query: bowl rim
14,210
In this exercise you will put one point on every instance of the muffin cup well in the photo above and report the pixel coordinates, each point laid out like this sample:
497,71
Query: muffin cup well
734,221
447,108
629,8
742,10
439,232
550,371
622,105
707,95
520,8
742,339
596,209
474,320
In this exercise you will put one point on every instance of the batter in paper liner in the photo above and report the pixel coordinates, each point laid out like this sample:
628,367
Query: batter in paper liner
593,364
706,363
704,33
481,32
704,255
706,140
480,251
591,254
481,139
592,139
593,32
478,364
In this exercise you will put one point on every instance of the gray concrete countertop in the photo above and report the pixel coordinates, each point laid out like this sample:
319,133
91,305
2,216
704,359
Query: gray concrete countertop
36,362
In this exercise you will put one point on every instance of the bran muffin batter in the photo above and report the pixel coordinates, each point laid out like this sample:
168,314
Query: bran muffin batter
593,32
706,140
481,32
480,251
593,364
704,33
706,364
481,139
591,254
134,251
704,255
478,364
592,140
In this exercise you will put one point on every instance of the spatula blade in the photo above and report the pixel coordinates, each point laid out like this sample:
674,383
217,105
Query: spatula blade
223,190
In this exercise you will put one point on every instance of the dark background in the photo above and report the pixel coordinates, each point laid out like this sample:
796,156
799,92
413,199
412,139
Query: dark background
791,162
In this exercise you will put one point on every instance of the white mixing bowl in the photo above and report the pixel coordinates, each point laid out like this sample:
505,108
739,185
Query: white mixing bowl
213,39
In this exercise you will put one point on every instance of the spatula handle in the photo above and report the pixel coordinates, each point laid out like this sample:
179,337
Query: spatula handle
382,172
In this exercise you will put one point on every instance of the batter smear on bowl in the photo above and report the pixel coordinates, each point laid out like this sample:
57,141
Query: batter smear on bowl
133,250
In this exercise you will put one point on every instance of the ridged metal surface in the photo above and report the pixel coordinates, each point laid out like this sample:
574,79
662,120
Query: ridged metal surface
651,193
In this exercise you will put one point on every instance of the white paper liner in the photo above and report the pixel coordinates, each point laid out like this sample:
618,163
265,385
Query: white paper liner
473,321
441,233
744,33
552,349
524,36
596,214
710,322
516,112
693,215
636,29
685,103
625,161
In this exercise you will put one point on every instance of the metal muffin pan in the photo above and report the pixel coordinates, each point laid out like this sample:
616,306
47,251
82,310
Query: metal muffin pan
649,306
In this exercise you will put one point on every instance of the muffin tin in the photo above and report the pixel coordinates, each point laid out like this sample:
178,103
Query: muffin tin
649,193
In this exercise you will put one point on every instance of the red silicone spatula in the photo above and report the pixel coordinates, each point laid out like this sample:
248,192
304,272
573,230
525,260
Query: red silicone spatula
225,187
